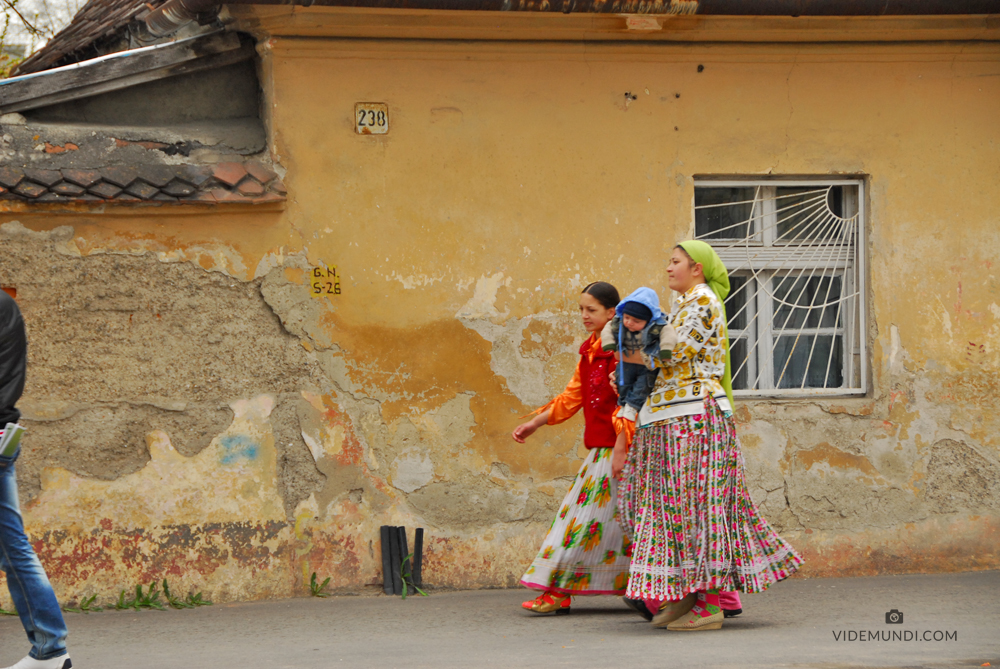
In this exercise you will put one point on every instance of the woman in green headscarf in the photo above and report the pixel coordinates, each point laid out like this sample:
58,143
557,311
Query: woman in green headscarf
683,496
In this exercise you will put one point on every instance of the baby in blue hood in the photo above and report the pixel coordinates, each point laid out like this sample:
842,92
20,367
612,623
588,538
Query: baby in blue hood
639,331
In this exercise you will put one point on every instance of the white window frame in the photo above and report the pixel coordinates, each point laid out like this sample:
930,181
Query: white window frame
770,260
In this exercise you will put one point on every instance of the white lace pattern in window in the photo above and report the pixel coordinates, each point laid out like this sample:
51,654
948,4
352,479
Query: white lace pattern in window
796,308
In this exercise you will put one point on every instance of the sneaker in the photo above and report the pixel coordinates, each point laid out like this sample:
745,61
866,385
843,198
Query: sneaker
28,662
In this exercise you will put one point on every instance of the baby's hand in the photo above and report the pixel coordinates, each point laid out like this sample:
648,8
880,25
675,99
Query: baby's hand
668,340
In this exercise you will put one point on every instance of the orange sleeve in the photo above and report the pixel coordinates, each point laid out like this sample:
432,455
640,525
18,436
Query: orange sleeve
566,403
624,425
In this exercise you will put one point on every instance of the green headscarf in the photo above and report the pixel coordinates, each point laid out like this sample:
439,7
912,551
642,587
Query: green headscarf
717,279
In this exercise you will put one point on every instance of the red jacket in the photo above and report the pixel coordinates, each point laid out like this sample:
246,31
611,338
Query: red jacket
590,388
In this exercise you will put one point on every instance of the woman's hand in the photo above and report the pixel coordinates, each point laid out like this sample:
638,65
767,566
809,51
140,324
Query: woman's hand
613,379
525,430
619,455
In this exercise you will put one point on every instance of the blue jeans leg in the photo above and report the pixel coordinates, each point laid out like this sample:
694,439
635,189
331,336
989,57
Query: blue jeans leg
29,587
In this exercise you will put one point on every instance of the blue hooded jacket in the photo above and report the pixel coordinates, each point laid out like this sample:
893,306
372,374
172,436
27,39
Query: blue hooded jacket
649,299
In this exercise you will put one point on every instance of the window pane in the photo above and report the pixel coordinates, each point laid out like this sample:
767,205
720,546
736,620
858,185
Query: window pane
723,220
796,350
803,214
737,356
736,302
801,302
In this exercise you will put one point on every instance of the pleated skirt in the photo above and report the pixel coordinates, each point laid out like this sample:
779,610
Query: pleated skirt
585,551
684,501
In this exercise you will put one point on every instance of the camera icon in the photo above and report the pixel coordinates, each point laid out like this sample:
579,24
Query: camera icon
894,617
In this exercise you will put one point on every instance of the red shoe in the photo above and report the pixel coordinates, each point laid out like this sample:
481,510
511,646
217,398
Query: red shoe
549,602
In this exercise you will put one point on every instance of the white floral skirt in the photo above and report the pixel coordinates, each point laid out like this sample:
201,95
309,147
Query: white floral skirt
585,551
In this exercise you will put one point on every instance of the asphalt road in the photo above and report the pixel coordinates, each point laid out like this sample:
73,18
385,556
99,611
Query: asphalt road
795,624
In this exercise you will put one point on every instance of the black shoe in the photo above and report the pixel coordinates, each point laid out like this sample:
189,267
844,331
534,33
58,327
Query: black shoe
731,613
639,607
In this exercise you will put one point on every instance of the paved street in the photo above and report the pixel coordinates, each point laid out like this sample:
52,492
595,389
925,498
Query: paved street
792,625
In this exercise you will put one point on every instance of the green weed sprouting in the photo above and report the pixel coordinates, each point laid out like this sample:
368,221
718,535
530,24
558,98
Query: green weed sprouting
196,601
406,575
5,612
142,600
86,606
316,589
173,600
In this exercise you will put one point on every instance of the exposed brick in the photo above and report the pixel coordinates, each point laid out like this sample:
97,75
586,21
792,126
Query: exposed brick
219,194
85,178
229,173
10,177
278,186
142,190
30,189
250,187
105,190
122,143
157,175
260,172
55,148
47,178
203,196
119,175
66,188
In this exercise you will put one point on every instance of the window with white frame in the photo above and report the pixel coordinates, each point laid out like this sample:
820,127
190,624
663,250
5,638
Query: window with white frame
795,255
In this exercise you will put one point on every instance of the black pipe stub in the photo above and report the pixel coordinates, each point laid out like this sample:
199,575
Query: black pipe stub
394,552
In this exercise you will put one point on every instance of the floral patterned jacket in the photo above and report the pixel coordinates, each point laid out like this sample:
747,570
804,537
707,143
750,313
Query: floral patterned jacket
695,369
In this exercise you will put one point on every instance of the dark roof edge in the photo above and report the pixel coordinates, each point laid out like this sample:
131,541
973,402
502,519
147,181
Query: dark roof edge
701,7
163,18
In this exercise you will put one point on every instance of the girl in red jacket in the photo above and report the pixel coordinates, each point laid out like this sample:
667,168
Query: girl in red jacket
585,551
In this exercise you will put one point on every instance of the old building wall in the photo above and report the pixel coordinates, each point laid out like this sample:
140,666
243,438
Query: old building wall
195,413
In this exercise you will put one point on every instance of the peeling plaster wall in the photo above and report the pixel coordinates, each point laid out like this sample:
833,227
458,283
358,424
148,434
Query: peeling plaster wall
194,413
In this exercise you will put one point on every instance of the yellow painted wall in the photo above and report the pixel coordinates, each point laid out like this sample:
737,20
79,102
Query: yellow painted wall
513,174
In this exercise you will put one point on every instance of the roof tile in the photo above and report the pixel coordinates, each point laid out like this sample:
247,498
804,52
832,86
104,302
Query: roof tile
85,178
157,175
142,190
30,189
260,172
120,175
47,178
159,183
250,187
105,190
10,177
229,173
66,188
178,188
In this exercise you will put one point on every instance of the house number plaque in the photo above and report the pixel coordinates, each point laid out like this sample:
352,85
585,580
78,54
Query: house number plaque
324,281
371,118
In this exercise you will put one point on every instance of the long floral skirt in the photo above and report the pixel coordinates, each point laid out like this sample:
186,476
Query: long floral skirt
684,501
585,551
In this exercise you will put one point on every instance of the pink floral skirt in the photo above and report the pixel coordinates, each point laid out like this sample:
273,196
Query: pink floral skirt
684,501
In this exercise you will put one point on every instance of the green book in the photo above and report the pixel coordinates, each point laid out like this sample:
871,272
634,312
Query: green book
11,439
